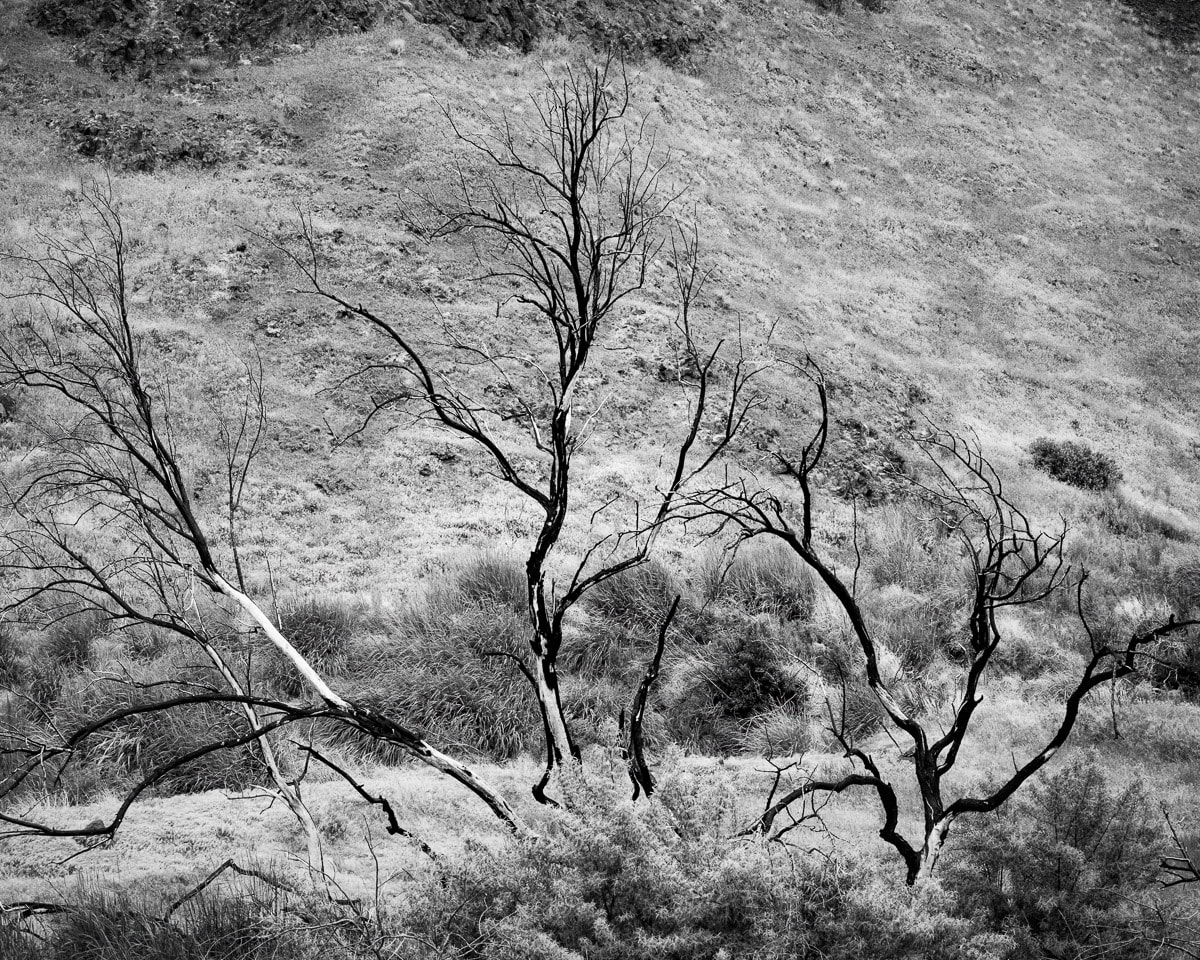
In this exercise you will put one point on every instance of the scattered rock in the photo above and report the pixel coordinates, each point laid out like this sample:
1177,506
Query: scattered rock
396,46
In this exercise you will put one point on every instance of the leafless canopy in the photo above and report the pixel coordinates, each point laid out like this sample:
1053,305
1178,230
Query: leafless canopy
569,212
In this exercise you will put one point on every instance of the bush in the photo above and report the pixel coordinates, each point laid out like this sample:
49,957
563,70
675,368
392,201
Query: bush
1075,464
1181,585
139,33
659,880
1059,863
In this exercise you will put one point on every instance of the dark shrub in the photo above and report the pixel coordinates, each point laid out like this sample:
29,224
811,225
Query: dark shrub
1075,464
709,699
1134,521
1181,585
138,33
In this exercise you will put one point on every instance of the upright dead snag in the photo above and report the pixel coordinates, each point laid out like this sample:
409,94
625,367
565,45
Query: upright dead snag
1013,565
570,212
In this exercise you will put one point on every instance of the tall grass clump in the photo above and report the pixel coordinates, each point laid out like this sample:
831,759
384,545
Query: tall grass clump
12,666
448,664
624,615
762,577
493,579
127,750
1075,463
106,924
713,697
321,628
70,642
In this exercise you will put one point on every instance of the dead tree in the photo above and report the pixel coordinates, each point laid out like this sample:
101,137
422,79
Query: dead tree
1013,565
569,213
103,514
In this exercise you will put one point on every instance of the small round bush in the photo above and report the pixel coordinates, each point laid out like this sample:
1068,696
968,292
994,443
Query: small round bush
1075,464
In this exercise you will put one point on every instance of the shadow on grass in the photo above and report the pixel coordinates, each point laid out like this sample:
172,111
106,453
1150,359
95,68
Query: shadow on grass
1176,21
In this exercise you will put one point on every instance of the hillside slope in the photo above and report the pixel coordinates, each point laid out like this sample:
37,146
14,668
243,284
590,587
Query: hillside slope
985,214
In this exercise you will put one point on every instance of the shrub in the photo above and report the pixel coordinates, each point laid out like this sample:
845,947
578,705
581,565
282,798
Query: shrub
1075,464
659,880
1181,585
1129,519
139,33
1059,862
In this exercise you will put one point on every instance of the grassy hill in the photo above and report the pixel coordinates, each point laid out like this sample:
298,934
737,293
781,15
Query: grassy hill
980,214
983,214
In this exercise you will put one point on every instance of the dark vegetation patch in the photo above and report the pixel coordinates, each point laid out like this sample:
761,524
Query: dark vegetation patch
128,140
136,35
1176,21
1075,463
